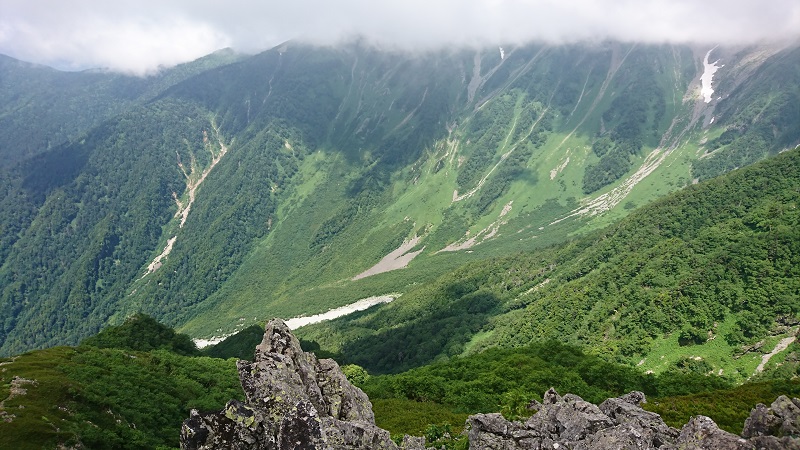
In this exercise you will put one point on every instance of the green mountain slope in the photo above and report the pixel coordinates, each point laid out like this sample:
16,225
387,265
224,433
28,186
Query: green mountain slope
270,185
693,279
110,392
42,108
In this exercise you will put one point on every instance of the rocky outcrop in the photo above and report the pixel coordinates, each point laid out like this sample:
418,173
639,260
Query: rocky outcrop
776,427
569,422
295,401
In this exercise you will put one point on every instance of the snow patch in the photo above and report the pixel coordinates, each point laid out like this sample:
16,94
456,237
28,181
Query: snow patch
708,74
299,321
364,303
203,343
502,53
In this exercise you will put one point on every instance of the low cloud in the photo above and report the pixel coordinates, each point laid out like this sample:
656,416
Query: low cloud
139,36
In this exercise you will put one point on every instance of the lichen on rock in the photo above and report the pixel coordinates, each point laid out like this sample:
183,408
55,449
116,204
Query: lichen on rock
293,401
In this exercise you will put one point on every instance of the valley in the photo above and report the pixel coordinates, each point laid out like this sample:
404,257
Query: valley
461,229
298,193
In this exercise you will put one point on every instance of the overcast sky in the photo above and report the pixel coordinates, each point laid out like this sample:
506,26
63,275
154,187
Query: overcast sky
137,36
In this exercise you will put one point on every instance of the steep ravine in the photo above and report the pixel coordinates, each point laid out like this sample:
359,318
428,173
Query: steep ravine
193,182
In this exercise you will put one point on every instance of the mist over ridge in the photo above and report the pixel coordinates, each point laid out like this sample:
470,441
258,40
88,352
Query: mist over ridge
140,37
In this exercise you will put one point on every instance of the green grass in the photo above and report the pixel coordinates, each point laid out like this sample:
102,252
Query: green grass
476,341
729,408
39,418
108,398
401,416
721,356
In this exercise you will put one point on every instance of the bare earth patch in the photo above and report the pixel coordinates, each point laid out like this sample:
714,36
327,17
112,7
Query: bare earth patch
397,259
193,181
781,346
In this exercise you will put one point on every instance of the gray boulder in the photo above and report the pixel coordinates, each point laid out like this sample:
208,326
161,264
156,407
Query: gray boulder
701,433
569,422
782,418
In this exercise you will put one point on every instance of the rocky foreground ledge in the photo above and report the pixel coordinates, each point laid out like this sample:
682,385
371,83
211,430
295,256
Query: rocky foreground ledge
295,401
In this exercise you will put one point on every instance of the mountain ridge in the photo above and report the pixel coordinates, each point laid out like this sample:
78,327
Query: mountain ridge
336,156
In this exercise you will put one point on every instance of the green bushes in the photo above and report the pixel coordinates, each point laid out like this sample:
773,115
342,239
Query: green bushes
506,380
110,398
143,333
500,378
729,407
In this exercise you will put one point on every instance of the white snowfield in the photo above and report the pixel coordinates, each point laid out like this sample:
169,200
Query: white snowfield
360,305
709,69
297,322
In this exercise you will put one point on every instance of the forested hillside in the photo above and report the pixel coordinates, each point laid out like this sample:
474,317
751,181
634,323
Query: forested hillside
42,108
691,281
237,188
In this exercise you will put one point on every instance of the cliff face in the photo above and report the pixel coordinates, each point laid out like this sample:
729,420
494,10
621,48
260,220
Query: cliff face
295,401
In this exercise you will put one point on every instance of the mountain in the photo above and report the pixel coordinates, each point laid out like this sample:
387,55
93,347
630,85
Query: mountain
43,108
290,182
703,280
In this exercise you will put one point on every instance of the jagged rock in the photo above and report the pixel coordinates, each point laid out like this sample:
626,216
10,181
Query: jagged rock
413,443
551,397
620,437
701,433
569,422
775,443
782,418
294,401
623,412
567,419
634,398
533,405
761,422
492,431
